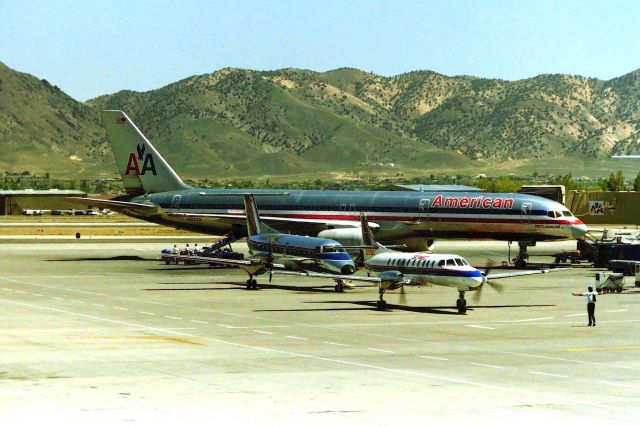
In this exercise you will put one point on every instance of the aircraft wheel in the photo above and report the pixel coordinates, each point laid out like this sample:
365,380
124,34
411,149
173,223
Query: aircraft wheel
461,304
381,304
619,290
254,284
339,288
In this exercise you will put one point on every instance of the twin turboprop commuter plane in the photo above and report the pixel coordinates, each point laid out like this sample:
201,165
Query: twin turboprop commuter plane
293,252
397,269
155,193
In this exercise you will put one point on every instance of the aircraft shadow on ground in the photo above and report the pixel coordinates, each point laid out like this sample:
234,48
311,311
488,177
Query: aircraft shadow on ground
242,286
371,305
82,259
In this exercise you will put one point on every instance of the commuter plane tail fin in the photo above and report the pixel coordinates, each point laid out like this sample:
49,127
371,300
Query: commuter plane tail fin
254,223
369,240
141,166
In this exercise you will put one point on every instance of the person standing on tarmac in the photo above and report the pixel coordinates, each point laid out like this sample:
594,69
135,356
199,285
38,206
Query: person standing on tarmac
590,294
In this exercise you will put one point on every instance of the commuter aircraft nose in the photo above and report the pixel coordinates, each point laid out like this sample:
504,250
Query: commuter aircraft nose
348,269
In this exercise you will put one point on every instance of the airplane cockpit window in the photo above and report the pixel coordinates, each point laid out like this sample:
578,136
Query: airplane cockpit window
459,262
464,262
441,263
450,262
567,213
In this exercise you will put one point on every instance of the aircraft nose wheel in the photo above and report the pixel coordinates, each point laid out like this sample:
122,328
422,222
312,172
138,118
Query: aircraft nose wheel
339,287
461,304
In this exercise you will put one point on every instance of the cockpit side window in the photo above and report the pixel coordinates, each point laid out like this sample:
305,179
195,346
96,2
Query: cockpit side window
441,263
459,262
450,262
567,213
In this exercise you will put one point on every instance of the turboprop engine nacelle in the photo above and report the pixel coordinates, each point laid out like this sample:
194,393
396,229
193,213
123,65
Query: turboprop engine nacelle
392,280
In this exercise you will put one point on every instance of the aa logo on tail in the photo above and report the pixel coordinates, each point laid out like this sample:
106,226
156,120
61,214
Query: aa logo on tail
133,164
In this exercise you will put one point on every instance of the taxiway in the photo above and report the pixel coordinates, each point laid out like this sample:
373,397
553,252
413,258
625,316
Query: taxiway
106,333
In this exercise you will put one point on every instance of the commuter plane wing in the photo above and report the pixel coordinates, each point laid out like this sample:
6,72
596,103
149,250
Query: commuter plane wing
157,194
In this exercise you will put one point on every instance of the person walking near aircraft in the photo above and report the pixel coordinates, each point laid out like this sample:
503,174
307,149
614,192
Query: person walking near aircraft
590,294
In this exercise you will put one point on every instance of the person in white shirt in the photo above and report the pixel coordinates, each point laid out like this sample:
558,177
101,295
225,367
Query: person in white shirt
590,294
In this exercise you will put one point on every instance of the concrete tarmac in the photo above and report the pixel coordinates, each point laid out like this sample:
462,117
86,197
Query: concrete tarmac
104,333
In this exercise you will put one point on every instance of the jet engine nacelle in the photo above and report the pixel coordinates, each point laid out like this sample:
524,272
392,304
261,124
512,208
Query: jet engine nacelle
417,244
392,280
345,236
353,237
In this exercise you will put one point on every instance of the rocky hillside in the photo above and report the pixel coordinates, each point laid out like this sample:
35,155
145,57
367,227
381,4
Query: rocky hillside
292,122
44,130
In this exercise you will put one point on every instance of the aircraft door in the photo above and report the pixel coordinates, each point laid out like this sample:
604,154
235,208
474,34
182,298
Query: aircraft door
423,209
175,202
525,213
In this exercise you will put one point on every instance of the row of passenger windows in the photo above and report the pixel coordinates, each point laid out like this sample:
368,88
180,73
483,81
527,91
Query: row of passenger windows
424,263
353,209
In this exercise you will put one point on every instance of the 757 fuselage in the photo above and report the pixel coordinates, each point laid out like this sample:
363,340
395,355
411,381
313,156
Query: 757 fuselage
398,215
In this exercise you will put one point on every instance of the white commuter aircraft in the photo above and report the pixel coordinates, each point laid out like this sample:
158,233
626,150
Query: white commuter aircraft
396,269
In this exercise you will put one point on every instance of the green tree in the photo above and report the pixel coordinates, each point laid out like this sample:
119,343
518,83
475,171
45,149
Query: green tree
615,181
636,183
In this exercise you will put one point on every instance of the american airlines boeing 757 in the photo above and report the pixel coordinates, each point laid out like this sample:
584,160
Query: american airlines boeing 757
157,194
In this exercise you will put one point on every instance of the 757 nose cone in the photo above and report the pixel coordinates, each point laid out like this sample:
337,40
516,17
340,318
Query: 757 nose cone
347,270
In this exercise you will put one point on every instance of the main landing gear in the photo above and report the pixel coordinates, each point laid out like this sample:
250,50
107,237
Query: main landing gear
381,304
461,303
339,287
252,284
520,261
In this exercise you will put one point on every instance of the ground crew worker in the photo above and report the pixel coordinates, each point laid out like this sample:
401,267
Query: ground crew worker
591,304
174,250
196,250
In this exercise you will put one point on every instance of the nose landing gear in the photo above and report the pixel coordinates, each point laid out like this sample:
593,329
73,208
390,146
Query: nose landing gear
461,303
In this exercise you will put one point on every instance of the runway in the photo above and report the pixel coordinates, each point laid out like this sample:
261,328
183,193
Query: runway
105,333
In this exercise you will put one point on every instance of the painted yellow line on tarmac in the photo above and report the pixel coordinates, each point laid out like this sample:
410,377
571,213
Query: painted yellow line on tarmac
603,348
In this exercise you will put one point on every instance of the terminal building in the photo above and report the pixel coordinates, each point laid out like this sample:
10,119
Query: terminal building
16,202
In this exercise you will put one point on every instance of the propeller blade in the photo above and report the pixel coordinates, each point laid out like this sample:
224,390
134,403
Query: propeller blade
491,263
497,287
477,294
402,299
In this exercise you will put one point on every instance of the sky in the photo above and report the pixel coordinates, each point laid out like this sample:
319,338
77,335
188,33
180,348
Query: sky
90,48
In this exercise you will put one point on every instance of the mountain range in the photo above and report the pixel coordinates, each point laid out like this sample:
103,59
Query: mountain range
293,122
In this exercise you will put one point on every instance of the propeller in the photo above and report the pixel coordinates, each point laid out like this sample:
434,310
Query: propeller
491,263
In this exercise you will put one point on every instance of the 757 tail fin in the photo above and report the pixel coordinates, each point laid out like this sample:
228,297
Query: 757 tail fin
141,166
